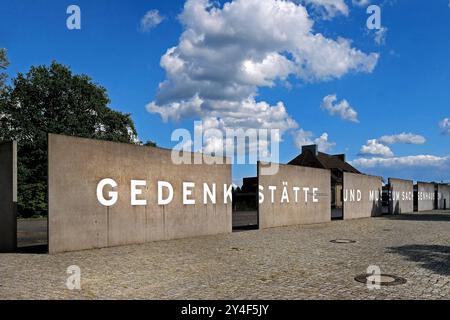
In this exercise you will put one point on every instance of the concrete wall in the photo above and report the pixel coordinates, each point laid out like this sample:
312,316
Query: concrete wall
315,207
78,221
426,196
8,196
401,196
444,196
362,196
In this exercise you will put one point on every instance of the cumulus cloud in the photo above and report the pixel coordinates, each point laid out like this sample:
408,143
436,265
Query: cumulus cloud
378,147
378,159
217,139
304,138
150,20
361,3
374,148
408,138
226,53
408,161
328,8
342,108
445,126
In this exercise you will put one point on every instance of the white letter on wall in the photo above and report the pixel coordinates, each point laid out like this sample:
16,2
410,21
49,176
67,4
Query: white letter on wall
227,193
187,192
261,194
306,190
272,193
207,193
112,194
315,190
358,195
135,192
164,184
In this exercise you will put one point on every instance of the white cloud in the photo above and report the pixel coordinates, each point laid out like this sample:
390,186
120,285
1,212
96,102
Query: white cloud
323,144
380,36
150,20
232,114
218,139
408,138
445,125
400,162
361,3
328,8
225,54
303,138
342,108
374,148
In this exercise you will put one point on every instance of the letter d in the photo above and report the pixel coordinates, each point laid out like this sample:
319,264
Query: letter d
168,186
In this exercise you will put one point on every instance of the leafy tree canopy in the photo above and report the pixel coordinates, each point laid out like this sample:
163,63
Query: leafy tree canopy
51,99
150,143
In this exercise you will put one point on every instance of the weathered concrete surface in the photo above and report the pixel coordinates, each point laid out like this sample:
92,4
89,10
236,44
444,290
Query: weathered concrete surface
306,210
362,196
78,221
401,196
425,196
443,196
8,196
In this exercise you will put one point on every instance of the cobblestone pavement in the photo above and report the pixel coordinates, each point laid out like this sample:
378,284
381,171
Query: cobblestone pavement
297,262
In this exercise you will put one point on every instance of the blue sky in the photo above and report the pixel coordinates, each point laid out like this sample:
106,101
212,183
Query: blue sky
407,90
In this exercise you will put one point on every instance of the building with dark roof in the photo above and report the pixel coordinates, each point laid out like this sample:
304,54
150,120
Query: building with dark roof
311,157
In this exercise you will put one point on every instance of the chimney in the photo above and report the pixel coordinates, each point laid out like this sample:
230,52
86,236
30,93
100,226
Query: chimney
312,148
340,156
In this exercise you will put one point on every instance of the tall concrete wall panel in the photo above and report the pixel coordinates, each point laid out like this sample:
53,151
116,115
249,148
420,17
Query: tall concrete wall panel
302,196
443,197
8,196
362,196
425,196
78,221
401,196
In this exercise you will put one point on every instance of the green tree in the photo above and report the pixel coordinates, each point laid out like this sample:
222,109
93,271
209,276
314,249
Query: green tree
51,99
150,143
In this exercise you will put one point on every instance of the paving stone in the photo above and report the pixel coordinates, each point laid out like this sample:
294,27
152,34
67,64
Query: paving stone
296,262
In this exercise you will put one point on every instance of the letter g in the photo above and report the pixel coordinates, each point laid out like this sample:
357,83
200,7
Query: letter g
112,194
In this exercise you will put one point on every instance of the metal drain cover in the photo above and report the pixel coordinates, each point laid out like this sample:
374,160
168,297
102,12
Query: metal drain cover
385,279
343,241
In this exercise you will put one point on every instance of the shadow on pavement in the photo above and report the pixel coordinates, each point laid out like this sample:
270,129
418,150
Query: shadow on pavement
33,249
435,258
420,217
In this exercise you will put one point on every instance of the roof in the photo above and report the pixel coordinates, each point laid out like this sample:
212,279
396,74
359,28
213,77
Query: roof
324,161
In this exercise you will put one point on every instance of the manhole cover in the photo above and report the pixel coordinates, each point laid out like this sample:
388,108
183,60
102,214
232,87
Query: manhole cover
385,279
343,241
